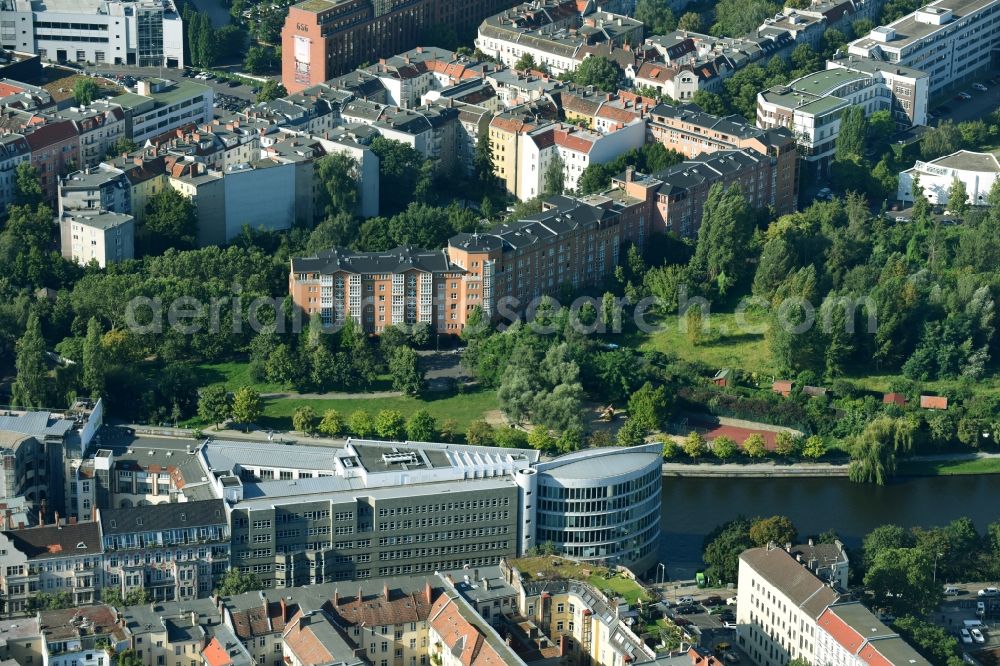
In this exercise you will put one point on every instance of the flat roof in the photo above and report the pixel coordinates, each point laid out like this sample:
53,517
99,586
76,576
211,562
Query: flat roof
789,98
99,219
967,160
823,82
909,29
604,464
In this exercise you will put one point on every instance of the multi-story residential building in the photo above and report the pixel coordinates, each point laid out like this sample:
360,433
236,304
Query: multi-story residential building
14,149
85,636
555,33
322,39
977,171
159,106
173,551
572,242
777,608
25,467
950,40
410,75
51,559
506,131
97,235
22,640
258,621
146,33
805,27
99,126
514,88
225,650
146,174
100,188
171,632
677,195
849,634
827,561
55,148
811,106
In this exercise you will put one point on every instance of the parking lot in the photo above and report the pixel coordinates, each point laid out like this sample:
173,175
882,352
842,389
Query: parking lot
223,90
967,605
979,105
706,617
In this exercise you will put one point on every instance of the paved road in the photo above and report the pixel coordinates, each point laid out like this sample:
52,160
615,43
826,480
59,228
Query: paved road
981,104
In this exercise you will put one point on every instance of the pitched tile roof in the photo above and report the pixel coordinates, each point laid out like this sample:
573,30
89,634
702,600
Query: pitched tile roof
163,517
40,543
461,637
792,579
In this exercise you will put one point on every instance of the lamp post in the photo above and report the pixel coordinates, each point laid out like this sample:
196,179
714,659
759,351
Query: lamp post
661,572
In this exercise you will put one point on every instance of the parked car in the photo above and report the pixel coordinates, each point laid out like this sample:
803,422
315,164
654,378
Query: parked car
977,635
965,636
949,590
731,601
989,592
712,601
964,96
980,87
687,610
729,624
980,608
824,193
685,600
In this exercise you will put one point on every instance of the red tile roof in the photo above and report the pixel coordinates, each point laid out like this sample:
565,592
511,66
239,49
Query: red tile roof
841,632
893,398
461,637
215,654
933,402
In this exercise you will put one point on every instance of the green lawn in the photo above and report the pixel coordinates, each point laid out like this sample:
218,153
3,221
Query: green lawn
232,375
463,408
953,468
619,586
729,343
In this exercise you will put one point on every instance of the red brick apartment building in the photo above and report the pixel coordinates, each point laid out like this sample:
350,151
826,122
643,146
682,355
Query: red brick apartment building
573,242
322,39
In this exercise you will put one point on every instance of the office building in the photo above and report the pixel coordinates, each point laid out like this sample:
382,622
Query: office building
322,39
147,33
159,106
97,235
172,551
977,171
949,40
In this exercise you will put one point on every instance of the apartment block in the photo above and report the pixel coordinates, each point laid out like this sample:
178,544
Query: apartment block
176,633
99,126
84,636
811,106
55,147
410,75
100,188
677,195
22,640
322,39
50,559
173,551
160,106
14,149
556,33
146,33
950,40
848,633
97,235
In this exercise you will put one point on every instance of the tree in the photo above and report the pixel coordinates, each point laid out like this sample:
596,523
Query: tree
247,406
656,16
304,419
735,18
600,72
901,580
884,538
814,448
541,440
555,177
390,425
332,424
632,433
525,62
694,445
84,91
404,366
271,89
214,405
943,139
723,247
171,220
690,22
95,362
776,529
958,198
129,657
710,102
933,642
31,383
724,448
648,407
874,450
421,427
235,582
28,185
449,429
785,445
260,60
851,137
208,50
755,447
479,433
337,175
361,424
722,548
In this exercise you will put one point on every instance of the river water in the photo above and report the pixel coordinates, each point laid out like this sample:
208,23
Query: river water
694,507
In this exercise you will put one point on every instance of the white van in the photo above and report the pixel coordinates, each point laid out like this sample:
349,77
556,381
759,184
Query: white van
969,624
951,591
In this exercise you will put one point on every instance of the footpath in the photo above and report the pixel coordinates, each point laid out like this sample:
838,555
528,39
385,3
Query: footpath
798,469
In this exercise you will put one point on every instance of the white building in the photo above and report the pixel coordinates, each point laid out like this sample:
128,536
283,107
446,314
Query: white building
147,33
97,235
848,634
159,106
978,171
951,40
777,606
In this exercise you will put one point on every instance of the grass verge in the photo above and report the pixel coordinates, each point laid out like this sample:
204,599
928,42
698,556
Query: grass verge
948,467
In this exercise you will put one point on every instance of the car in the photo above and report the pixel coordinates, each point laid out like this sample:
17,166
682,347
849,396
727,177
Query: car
989,592
729,624
685,600
731,658
682,622
687,610
980,87
964,96
977,635
980,608
824,193
712,601
965,636
949,590
731,601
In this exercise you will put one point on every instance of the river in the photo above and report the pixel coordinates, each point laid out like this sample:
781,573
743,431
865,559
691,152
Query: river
693,507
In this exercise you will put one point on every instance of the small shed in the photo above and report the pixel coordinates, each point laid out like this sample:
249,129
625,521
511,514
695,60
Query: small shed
782,387
893,398
723,378
933,402
815,391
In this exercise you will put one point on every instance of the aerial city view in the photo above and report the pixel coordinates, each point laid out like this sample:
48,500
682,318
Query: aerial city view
499,332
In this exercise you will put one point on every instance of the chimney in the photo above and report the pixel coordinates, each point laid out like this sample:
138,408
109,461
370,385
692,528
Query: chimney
41,518
428,593
486,583
284,610
385,590
811,543
336,598
629,174
360,596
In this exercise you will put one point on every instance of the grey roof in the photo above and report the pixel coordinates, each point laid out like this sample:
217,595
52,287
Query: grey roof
396,260
157,517
91,178
733,125
17,628
969,161
147,617
792,579
99,219
604,464
52,541
36,424
721,165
